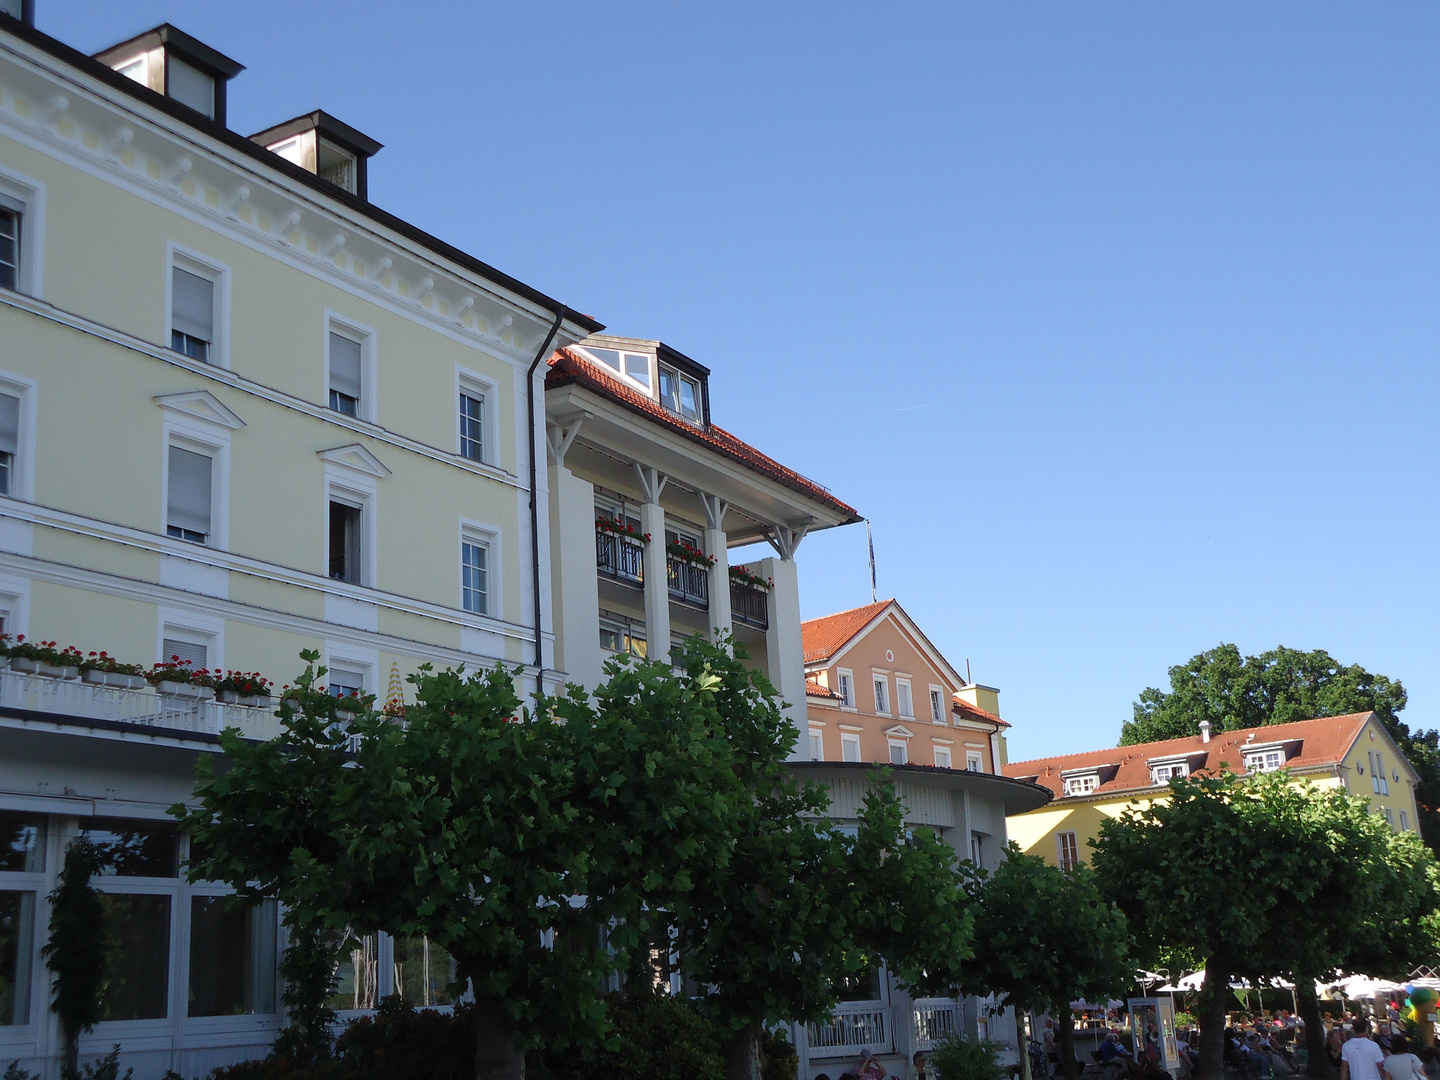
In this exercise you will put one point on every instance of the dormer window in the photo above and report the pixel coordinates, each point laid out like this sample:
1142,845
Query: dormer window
322,145
680,393
171,62
1082,784
1163,774
634,366
1265,760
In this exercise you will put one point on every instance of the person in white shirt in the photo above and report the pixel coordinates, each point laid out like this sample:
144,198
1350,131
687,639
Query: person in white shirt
1401,1064
1361,1058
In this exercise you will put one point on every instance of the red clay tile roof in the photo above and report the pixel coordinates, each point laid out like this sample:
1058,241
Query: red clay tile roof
823,637
814,689
978,713
567,367
1325,741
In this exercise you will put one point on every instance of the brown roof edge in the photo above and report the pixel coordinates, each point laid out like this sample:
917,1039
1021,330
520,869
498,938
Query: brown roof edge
579,371
235,141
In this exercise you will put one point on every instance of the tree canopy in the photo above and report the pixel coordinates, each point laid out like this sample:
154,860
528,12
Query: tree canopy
1049,937
1279,686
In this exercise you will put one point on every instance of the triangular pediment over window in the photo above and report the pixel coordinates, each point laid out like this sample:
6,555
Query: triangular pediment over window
354,456
200,405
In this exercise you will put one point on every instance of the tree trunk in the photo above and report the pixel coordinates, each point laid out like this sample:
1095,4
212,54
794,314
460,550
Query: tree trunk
742,1055
1214,999
495,1055
1308,1006
1067,1043
70,1064
1022,1042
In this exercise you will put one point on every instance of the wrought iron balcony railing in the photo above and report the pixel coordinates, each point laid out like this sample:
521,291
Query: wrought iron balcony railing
620,558
750,605
690,584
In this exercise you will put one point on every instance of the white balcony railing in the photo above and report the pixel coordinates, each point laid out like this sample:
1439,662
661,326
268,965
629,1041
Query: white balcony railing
855,1026
90,701
934,1019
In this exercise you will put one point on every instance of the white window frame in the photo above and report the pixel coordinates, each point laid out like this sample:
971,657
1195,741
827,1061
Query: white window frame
817,743
471,382
15,604
1380,773
195,628
22,473
201,265
850,741
1067,855
346,656
652,391
30,194
974,761
944,751
880,687
1257,761
903,746
900,699
937,704
1404,820
842,676
1081,785
344,485
479,532
335,323
1170,770
219,455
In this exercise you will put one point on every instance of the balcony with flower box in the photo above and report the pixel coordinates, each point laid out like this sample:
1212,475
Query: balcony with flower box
688,574
749,598
619,552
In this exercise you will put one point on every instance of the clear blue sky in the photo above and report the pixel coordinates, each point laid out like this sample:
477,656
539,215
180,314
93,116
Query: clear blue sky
1119,321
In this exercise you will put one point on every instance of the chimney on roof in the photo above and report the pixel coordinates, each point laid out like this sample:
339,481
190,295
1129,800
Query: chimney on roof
320,144
171,62
1204,731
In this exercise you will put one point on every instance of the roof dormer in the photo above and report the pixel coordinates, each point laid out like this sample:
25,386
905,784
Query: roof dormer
320,144
171,62
656,370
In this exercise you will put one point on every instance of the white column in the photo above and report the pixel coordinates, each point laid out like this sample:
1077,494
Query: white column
716,547
784,654
575,593
657,591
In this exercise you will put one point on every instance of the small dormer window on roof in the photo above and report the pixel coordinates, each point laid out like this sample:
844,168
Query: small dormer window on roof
1082,783
653,368
1266,759
171,62
320,144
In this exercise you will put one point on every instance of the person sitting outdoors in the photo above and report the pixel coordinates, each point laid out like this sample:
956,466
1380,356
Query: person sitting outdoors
1256,1058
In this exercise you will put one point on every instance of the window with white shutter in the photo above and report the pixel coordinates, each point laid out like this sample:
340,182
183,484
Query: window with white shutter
190,653
188,499
9,441
192,314
10,218
346,364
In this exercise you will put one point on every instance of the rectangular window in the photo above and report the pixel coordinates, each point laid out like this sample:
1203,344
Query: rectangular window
882,696
146,849
817,744
346,683
22,843
977,848
139,956
9,441
849,747
177,650
192,314
1390,816
356,977
1380,775
942,757
472,426
1404,820
188,500
232,957
475,577
1081,785
974,762
345,542
898,754
423,972
680,394
937,706
903,699
847,690
17,940
10,218
1067,850
346,362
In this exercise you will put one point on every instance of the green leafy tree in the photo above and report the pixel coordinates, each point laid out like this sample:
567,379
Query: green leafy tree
799,906
1234,691
77,951
1050,937
509,837
1211,869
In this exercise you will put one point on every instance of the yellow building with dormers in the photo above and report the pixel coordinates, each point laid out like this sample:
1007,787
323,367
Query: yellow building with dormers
1352,751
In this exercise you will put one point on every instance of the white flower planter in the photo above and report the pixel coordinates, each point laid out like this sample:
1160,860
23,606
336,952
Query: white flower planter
116,679
185,690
